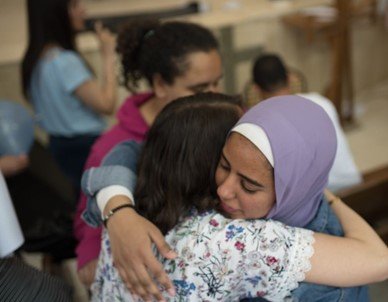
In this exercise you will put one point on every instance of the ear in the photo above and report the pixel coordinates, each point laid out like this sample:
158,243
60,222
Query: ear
159,86
289,79
256,88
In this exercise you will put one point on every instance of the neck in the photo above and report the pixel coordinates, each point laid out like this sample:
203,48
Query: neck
47,47
282,91
150,109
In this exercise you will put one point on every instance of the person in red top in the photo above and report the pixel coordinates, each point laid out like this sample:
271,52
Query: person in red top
176,59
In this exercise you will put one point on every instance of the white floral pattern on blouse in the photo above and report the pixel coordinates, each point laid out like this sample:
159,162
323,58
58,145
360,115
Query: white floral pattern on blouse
222,260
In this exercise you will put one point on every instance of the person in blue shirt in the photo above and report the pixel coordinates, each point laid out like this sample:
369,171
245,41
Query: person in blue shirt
67,98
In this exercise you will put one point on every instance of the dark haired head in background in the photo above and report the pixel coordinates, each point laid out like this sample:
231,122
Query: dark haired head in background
151,49
270,75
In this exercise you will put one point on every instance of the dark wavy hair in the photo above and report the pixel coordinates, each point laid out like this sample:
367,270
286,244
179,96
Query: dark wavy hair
148,47
178,162
270,73
48,22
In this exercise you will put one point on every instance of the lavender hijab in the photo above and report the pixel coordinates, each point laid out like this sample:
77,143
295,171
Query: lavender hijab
303,144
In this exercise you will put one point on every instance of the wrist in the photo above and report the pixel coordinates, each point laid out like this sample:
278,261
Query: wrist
334,200
115,202
105,195
108,57
113,211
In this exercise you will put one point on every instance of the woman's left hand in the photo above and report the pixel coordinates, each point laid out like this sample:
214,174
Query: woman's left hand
13,164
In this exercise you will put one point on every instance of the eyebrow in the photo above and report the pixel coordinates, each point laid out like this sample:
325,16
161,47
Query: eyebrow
246,178
251,181
205,84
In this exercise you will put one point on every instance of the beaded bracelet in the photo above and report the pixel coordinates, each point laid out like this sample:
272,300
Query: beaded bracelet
114,210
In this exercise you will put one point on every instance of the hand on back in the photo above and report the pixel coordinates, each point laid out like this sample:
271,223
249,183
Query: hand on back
131,237
87,273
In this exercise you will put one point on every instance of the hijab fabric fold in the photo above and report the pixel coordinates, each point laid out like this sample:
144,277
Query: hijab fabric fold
303,144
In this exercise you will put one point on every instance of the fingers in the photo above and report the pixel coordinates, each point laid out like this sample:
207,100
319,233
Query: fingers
106,38
155,266
329,195
164,249
86,276
157,271
144,286
98,27
142,274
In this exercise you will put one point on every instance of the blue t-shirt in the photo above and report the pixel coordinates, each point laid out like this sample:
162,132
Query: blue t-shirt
53,82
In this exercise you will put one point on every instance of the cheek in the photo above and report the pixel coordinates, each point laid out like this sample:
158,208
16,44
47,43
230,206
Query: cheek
256,206
177,92
268,205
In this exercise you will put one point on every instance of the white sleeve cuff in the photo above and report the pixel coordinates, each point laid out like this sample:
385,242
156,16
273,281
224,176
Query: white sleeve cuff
104,195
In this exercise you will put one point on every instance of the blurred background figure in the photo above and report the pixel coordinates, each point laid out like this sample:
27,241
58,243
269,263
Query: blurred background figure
271,78
37,194
16,128
60,84
19,281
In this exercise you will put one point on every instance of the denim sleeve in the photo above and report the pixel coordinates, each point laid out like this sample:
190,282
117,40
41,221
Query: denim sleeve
118,168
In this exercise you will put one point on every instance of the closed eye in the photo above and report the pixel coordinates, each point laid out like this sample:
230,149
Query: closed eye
223,163
199,88
249,188
224,166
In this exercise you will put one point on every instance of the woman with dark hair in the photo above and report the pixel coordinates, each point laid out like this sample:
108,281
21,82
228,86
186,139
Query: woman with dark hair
175,59
186,130
274,165
68,100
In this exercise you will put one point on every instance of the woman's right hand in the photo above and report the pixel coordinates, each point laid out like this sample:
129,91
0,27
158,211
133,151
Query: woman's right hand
131,237
106,38
102,96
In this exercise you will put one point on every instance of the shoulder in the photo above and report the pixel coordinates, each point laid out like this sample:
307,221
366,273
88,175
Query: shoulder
260,255
215,227
71,65
322,101
67,56
137,99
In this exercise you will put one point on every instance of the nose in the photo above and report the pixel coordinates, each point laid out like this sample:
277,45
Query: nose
226,190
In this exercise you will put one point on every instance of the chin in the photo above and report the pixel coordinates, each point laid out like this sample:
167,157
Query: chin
229,215
223,213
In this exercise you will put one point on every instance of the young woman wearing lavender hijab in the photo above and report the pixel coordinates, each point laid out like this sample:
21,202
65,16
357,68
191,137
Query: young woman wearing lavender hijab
274,165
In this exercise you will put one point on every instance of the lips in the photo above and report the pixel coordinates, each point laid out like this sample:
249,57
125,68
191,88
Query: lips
227,208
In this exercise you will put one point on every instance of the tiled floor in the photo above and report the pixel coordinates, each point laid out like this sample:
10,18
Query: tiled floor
368,140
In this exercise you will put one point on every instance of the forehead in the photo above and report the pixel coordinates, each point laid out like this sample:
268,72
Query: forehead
245,156
202,67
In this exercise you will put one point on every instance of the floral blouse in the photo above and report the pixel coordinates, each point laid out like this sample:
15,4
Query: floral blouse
222,260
